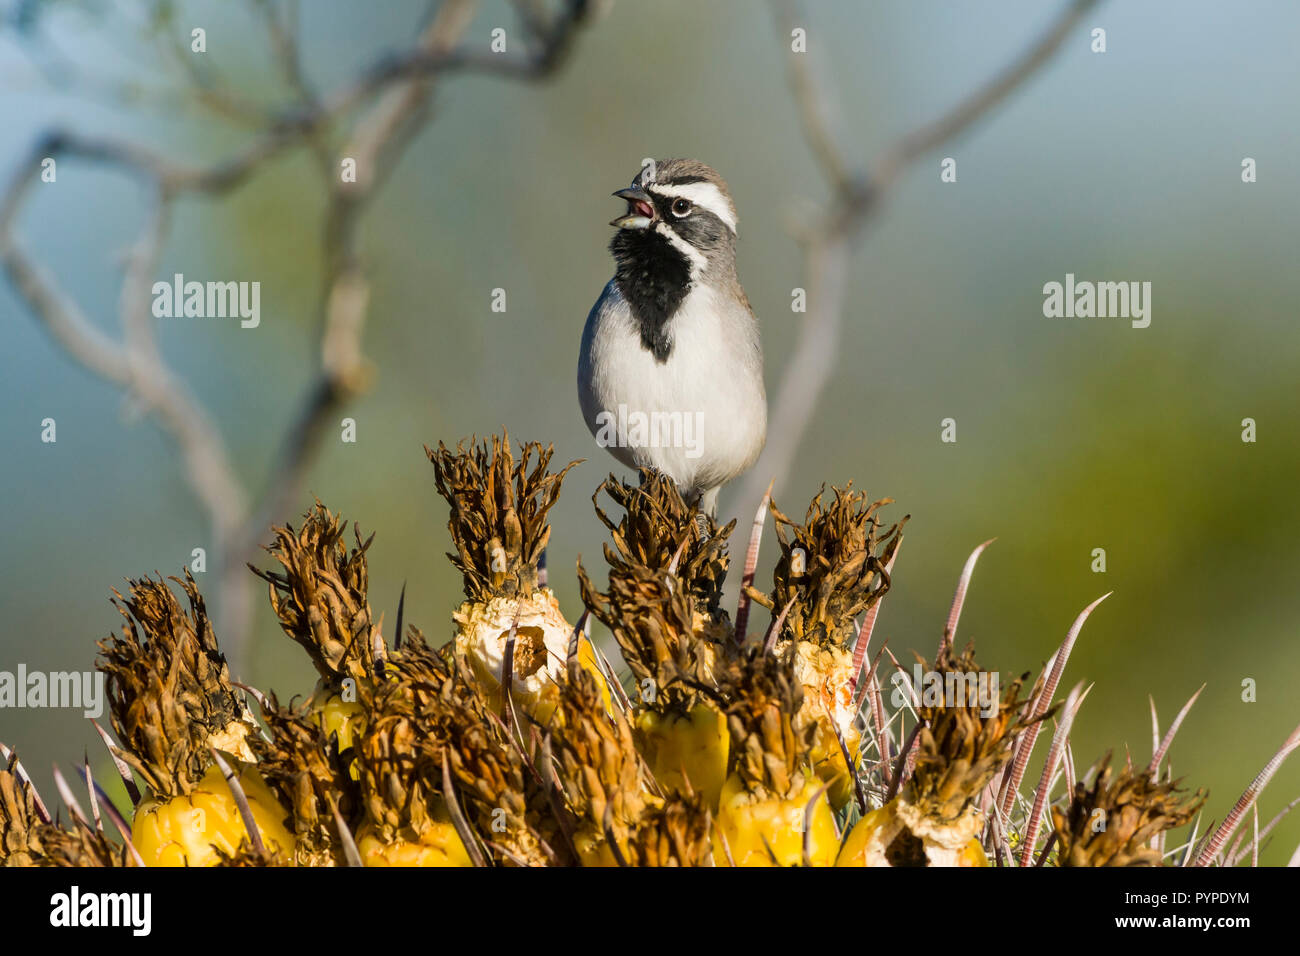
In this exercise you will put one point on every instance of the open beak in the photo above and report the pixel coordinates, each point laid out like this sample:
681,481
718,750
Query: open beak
640,209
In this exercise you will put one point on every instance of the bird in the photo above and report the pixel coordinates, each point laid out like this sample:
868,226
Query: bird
670,369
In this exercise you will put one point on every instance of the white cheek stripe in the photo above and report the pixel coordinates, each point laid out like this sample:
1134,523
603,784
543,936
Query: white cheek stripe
696,258
705,195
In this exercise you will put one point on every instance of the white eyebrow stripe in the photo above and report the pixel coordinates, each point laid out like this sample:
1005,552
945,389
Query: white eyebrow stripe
705,195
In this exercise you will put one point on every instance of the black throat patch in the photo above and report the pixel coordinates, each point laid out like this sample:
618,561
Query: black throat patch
654,278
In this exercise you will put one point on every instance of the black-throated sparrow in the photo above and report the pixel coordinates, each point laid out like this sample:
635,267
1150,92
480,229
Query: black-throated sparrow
670,374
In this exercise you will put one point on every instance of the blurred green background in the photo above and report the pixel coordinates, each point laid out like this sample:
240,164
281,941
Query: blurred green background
1072,434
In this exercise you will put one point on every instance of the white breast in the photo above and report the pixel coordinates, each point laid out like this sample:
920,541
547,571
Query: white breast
707,397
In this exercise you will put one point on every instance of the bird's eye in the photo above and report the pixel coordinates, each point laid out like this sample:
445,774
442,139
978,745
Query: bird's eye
681,207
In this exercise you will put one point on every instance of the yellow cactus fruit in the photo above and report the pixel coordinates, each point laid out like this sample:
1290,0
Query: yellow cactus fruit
600,772
499,528
772,831
172,705
774,810
663,608
667,566
618,820
320,598
429,729
193,829
826,673
962,744
437,843
334,715
686,751
303,764
680,732
831,570
400,755
900,834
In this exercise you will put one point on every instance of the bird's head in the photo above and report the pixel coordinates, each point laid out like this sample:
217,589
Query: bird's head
680,217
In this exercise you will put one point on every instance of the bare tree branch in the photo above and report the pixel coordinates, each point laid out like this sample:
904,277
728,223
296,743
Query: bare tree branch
856,196
285,46
400,87
377,136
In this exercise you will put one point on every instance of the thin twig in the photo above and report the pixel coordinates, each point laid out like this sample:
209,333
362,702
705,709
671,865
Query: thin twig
856,197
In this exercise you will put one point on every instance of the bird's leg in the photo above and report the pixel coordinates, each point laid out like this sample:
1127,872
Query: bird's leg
706,507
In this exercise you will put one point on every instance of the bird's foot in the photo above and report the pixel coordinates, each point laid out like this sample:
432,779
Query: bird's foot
702,526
